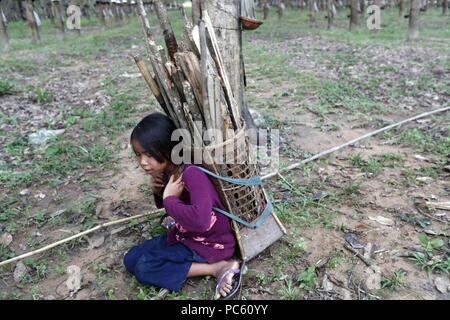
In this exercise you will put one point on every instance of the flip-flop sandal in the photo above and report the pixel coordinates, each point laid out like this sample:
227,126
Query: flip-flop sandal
235,284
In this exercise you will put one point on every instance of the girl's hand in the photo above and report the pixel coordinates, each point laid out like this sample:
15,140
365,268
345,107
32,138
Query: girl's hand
174,187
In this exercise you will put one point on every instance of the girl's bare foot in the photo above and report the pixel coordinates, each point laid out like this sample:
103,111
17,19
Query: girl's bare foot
226,285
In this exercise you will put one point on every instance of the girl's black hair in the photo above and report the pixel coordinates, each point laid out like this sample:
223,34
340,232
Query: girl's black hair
154,134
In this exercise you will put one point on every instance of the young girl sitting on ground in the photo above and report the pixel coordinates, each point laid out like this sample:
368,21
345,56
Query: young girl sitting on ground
200,241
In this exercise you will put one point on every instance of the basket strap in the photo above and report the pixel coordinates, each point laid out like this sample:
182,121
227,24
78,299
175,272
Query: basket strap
267,210
253,181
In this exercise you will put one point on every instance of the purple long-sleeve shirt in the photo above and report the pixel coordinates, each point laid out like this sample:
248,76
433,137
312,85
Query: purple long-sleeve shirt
197,226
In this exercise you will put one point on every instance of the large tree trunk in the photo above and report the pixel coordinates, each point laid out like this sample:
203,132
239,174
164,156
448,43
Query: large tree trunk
225,19
354,14
413,32
444,6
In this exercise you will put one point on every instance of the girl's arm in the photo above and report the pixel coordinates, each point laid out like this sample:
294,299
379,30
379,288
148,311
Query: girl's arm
195,217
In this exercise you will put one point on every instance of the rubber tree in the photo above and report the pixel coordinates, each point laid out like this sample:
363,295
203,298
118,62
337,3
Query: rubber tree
413,29
224,15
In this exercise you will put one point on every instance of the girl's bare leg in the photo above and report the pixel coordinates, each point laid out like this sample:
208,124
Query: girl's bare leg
216,269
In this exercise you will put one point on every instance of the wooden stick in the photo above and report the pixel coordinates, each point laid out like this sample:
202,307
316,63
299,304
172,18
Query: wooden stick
218,97
150,82
78,235
234,110
193,106
160,74
169,37
368,262
334,149
188,62
189,41
204,76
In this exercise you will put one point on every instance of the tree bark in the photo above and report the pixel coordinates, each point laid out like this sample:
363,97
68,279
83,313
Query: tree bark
224,15
4,39
353,14
196,12
330,13
362,6
266,10
401,7
29,11
58,17
413,31
444,7
312,13
280,10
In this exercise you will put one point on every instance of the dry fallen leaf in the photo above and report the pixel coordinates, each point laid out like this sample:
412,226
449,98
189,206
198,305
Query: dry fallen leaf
6,239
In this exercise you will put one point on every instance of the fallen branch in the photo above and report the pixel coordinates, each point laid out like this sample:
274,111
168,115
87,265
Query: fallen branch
368,262
422,212
334,149
78,235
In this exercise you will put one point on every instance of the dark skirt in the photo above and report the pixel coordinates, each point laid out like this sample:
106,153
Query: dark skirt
155,263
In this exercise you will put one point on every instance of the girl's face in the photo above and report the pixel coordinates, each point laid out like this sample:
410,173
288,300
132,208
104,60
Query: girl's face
150,165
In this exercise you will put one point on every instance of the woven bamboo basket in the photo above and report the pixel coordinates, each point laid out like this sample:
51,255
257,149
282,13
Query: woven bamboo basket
246,202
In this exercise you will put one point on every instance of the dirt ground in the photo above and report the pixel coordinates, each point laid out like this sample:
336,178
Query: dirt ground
318,90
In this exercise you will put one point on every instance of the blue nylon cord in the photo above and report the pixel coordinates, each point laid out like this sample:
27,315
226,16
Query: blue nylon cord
253,181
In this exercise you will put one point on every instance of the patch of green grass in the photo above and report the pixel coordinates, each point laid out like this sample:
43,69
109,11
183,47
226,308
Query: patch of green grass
394,282
5,253
356,160
8,120
393,159
335,258
430,245
412,136
307,278
43,95
430,265
15,147
38,270
373,166
6,87
11,179
100,267
290,291
351,190
337,94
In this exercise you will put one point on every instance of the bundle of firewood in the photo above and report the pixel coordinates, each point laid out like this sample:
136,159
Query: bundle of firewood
189,80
